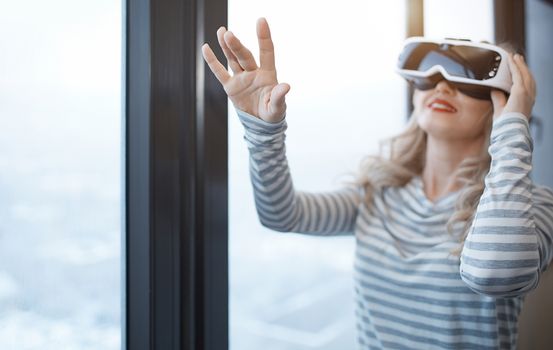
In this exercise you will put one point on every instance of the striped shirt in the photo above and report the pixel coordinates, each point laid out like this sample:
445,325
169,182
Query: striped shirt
411,291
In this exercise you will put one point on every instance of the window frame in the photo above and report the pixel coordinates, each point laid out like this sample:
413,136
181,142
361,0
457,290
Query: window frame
509,22
176,192
415,27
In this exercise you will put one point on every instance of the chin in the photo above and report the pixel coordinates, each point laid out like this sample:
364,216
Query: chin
440,127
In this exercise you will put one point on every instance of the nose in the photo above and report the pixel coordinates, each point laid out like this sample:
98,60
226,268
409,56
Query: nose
445,87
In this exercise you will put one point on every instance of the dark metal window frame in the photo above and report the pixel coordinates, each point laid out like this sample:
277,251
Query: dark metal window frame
509,25
415,27
176,284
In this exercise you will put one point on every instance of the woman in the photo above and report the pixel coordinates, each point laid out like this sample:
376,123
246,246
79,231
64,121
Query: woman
451,233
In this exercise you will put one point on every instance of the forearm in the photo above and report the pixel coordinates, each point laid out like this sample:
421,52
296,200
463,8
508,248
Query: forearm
279,205
500,256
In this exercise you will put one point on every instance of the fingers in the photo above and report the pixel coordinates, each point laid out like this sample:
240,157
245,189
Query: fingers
266,48
232,60
527,78
216,67
521,75
515,73
522,95
244,56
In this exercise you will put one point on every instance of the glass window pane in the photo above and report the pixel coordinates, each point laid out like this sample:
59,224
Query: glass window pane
60,160
290,291
468,19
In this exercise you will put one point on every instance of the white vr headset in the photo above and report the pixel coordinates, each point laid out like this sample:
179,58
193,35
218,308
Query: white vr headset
473,68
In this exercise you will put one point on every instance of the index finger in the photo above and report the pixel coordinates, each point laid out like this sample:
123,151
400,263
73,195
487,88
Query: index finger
216,67
266,48
515,72
527,76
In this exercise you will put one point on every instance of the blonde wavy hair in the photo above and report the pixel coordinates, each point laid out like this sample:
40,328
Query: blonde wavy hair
402,157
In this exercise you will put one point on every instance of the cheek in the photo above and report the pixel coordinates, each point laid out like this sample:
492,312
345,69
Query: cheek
426,122
475,118
481,109
479,112
418,98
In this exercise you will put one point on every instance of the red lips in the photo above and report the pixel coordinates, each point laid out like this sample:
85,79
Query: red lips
446,105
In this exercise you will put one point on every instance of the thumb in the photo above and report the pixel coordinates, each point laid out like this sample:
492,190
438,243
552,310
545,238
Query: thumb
498,99
278,93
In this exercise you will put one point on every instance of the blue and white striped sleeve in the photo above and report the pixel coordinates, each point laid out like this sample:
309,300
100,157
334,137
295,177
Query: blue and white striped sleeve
279,206
510,240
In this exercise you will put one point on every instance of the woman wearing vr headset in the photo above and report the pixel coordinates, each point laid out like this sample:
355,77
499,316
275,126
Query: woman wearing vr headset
451,232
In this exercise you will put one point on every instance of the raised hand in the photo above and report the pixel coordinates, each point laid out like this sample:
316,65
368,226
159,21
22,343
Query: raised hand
253,89
523,91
